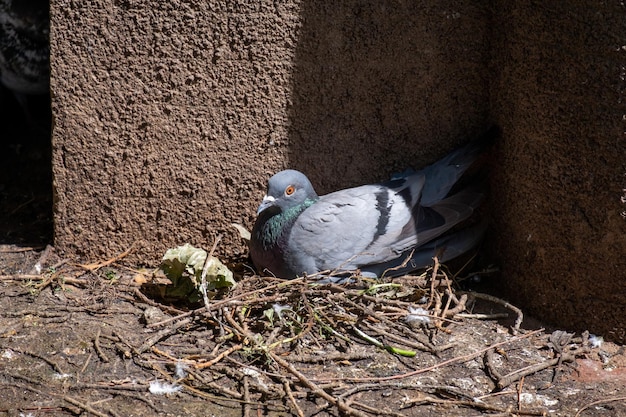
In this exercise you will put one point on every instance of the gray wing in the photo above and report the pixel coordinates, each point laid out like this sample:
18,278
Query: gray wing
350,228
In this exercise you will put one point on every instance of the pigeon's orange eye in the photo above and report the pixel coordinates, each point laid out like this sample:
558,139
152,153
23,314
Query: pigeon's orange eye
290,190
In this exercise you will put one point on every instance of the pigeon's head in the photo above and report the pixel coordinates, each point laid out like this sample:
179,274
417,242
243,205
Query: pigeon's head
287,189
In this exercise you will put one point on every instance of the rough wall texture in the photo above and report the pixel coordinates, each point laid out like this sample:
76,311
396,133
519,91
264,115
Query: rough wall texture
560,168
170,116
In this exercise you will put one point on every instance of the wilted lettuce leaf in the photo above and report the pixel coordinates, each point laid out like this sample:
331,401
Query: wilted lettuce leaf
183,266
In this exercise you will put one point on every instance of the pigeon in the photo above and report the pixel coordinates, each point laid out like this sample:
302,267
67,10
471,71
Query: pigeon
387,229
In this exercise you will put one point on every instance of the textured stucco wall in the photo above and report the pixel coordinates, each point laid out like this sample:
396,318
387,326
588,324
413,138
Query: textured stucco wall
558,93
170,116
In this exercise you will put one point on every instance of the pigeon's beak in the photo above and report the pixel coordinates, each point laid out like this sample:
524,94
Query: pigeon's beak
268,200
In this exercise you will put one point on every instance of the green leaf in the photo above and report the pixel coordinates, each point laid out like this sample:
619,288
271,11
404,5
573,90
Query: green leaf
183,266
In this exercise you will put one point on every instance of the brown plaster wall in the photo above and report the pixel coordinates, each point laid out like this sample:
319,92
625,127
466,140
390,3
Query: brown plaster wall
560,169
170,116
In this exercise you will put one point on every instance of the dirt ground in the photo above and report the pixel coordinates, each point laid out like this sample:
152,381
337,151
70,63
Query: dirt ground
98,339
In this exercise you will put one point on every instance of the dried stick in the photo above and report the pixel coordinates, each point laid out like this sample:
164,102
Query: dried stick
604,400
50,362
153,303
315,390
205,270
226,302
476,405
505,304
156,338
219,357
18,250
43,257
97,265
99,351
291,398
85,407
463,358
512,377
246,397
432,280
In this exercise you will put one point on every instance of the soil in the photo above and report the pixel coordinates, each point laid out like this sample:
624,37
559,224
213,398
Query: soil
94,339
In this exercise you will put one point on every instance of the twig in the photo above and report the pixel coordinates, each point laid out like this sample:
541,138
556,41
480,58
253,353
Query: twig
488,360
333,357
505,304
512,377
460,305
43,257
96,343
292,400
50,362
433,275
153,303
604,400
82,370
472,404
246,397
234,396
21,277
219,357
315,390
18,250
156,338
520,387
480,316
400,339
95,266
205,271
402,265
463,358
378,410
85,407
226,302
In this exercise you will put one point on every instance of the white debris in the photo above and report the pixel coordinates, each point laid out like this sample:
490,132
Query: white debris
160,388
595,341
250,372
256,375
278,309
417,314
180,370
8,354
528,398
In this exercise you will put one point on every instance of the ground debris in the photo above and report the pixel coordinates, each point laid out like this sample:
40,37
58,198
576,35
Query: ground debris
402,347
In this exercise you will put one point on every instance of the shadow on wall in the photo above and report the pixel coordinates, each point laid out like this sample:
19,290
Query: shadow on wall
379,87
25,121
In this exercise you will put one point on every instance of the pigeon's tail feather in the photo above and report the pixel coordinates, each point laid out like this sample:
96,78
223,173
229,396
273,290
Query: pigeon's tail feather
446,248
432,222
444,174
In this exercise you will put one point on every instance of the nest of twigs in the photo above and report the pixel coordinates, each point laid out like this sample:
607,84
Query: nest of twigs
269,337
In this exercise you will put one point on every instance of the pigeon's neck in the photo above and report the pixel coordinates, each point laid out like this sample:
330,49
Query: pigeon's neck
277,227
